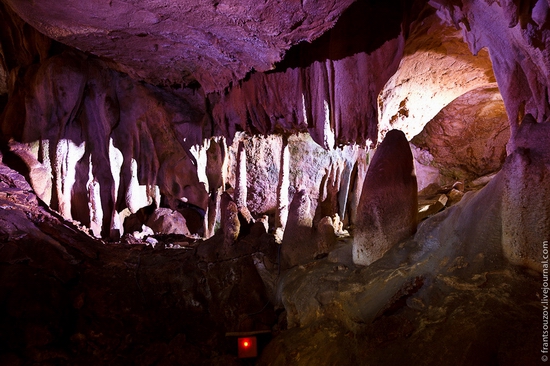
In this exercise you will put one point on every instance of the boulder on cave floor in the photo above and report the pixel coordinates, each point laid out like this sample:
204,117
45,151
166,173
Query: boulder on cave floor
168,221
467,139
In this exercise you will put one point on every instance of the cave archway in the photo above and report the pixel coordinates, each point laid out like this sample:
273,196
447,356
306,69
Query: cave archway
447,102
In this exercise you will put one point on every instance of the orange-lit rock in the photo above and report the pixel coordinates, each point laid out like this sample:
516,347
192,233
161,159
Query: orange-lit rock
437,67
467,138
517,38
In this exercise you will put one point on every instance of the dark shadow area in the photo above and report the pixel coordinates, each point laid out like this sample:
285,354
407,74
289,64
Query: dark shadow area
363,27
3,102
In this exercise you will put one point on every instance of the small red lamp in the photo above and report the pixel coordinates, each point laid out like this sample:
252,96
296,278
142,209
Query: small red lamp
248,347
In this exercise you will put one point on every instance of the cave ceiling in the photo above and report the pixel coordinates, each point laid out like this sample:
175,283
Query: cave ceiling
181,42
343,71
216,45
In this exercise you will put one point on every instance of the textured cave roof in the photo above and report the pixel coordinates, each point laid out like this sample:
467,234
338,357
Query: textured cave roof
212,42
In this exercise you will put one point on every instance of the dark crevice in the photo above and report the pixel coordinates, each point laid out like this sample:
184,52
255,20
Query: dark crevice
363,28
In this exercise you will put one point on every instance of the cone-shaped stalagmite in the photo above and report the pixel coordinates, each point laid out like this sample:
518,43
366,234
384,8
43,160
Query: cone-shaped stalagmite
388,206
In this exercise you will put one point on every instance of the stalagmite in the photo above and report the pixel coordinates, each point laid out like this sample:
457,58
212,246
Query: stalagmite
241,189
229,221
388,206
298,244
525,211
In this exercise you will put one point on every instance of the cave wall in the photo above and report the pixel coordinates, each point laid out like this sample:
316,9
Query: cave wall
517,37
95,142
328,87
98,146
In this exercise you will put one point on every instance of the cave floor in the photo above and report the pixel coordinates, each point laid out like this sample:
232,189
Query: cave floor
69,299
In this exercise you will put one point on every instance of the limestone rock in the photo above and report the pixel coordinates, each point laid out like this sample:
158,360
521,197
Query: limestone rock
431,207
426,174
49,269
467,139
454,196
144,232
525,210
326,234
105,151
314,99
377,315
278,166
167,221
39,175
516,43
209,42
388,207
496,215
437,67
342,254
230,223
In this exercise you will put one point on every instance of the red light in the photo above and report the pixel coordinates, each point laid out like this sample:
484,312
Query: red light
247,347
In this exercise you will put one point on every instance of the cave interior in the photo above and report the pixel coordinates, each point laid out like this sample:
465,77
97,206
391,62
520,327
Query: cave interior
333,182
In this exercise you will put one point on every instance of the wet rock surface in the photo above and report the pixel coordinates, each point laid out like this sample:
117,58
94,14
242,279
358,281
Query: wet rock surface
409,315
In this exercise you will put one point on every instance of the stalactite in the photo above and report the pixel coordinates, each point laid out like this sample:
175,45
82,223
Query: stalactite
241,189
344,193
282,192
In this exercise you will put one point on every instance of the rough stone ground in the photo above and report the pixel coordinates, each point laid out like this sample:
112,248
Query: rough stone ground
437,311
69,299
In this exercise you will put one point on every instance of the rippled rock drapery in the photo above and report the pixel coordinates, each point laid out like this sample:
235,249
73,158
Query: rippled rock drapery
329,87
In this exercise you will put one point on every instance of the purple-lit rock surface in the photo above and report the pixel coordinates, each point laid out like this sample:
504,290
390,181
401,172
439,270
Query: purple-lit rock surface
212,42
